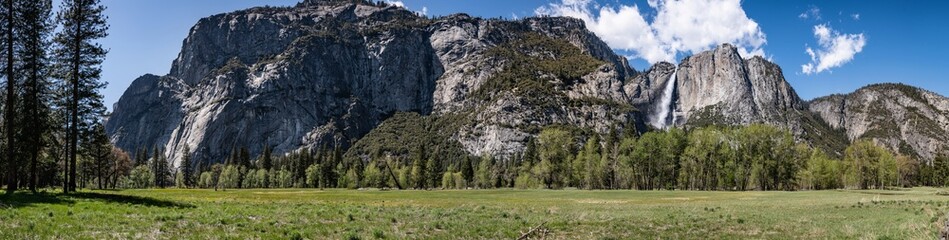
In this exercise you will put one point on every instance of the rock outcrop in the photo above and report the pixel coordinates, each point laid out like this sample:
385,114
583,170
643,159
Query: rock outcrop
325,73
377,79
719,87
906,119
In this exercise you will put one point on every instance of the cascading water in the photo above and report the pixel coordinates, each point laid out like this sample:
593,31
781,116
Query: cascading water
660,116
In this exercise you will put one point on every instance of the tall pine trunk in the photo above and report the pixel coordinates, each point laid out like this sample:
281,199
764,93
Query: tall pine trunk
74,101
12,165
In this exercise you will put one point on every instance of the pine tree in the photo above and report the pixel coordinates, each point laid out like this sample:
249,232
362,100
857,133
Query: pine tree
433,171
467,170
232,159
243,157
101,150
266,160
530,152
9,14
187,168
610,156
141,156
243,166
326,169
152,164
337,159
418,168
167,174
80,55
35,28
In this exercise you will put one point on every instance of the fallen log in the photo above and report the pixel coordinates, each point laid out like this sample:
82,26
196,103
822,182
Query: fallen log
534,230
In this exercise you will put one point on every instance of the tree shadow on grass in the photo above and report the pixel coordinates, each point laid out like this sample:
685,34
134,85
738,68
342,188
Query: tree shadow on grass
25,199
132,200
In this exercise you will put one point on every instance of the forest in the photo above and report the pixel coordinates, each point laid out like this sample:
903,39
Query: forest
53,136
754,157
53,113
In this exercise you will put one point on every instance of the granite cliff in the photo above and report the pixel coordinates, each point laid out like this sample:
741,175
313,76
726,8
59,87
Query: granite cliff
326,73
378,79
906,119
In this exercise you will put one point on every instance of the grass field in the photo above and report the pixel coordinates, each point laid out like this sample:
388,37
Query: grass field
473,214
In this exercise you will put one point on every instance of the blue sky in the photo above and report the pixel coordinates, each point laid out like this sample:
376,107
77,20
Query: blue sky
864,42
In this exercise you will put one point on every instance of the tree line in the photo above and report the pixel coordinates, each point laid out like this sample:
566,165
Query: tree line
53,135
754,157
52,108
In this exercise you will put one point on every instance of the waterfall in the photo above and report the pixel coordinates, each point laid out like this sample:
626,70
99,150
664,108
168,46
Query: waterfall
660,116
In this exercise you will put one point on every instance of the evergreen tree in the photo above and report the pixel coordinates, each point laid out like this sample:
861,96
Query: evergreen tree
243,158
609,159
433,171
155,168
530,152
186,167
100,150
266,162
467,170
167,174
300,170
36,27
418,168
243,165
938,171
141,156
338,159
527,161
79,56
9,43
326,169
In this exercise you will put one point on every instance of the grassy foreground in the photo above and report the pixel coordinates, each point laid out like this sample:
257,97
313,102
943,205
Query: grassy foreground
571,214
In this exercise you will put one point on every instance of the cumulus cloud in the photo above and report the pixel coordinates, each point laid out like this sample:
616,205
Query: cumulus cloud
812,13
397,3
835,49
677,27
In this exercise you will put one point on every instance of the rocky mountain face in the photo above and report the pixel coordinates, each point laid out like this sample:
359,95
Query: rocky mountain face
906,119
378,79
719,87
326,73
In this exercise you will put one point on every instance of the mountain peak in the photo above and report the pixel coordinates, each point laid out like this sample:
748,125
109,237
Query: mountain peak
325,2
906,119
332,71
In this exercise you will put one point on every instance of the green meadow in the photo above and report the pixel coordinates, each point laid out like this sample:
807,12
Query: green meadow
914,213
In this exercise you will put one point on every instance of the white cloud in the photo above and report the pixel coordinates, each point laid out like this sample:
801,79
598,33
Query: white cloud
813,12
835,49
424,11
855,16
397,3
678,26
